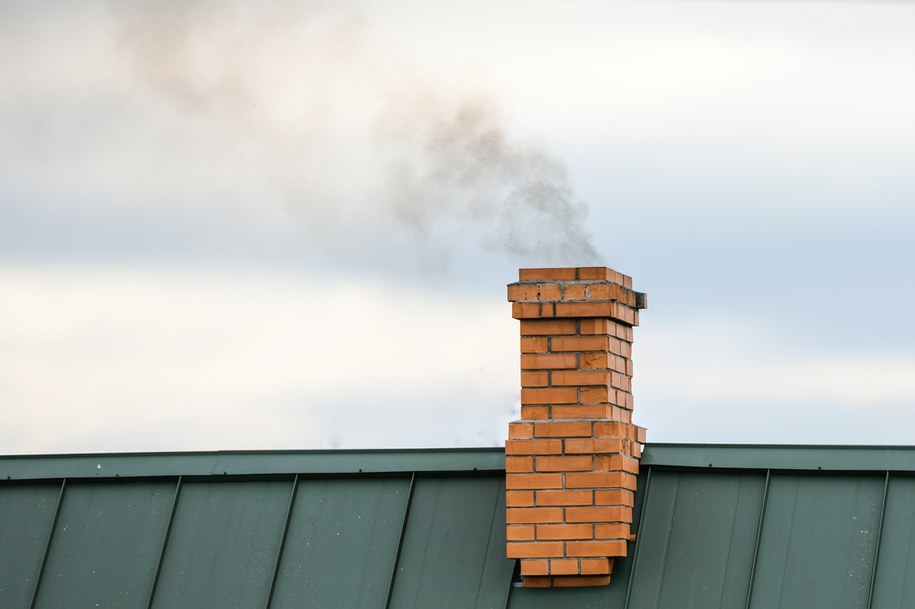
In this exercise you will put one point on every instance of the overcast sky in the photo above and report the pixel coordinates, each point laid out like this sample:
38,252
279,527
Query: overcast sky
277,225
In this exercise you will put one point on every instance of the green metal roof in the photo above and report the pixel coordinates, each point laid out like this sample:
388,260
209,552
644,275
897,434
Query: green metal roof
717,526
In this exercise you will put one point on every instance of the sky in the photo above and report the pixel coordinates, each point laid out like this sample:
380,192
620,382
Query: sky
287,225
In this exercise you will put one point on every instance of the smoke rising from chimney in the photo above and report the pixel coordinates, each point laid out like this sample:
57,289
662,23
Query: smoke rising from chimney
433,161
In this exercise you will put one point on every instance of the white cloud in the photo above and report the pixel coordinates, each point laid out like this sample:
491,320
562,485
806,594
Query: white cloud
139,359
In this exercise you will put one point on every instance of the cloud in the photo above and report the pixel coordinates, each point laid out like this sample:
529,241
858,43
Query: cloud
163,359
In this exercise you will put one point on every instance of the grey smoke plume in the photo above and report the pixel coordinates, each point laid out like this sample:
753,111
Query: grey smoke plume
282,78
457,165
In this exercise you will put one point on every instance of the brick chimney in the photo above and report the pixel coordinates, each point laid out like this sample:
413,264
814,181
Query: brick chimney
572,460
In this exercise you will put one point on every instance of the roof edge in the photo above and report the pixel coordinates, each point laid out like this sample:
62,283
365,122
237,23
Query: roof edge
244,463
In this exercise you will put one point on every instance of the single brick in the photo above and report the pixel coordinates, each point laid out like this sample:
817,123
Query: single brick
537,549
563,497
538,378
593,445
576,463
589,309
607,291
615,530
561,395
518,430
579,581
562,429
589,411
599,360
533,515
560,378
615,496
534,344
533,447
596,566
595,326
614,429
548,361
519,498
548,327
528,310
531,412
595,273
548,274
575,291
559,344
533,481
535,567
536,582
595,480
524,465
564,531
587,549
599,514
564,566
515,532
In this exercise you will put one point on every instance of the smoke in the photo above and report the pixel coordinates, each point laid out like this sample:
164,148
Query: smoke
352,137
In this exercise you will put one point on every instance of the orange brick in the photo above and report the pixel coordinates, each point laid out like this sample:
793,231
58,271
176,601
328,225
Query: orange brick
560,344
599,514
593,445
520,431
589,411
613,429
624,349
580,581
575,291
548,274
533,481
562,429
565,531
548,361
561,395
548,327
536,582
616,530
578,377
540,378
533,515
533,447
587,549
519,498
534,344
537,549
640,434
521,291
595,480
607,291
598,394
524,465
531,412
620,381
528,310
535,567
608,463
636,450
595,360
596,566
564,566
588,309
616,496
595,273
595,326
577,463
516,532
576,497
